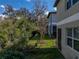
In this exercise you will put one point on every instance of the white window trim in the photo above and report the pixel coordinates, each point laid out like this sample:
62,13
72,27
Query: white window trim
71,3
72,37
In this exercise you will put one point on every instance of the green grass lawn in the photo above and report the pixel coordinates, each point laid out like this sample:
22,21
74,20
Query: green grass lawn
45,44
45,50
44,53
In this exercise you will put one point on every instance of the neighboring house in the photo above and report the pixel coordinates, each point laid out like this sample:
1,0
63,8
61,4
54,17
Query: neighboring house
52,21
68,27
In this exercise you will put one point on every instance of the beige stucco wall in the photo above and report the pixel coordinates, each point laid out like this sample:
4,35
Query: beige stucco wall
63,13
60,8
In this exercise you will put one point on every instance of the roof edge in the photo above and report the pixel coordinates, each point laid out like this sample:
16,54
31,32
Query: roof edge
51,13
56,2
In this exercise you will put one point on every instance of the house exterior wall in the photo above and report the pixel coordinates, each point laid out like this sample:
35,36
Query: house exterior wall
49,25
63,13
67,51
67,19
60,9
51,22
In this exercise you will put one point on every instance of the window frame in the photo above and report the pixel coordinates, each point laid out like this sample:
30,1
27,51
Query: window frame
72,3
72,37
69,3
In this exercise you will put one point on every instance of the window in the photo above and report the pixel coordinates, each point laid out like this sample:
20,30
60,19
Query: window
54,28
54,31
71,2
69,36
69,32
69,42
74,1
76,33
73,38
76,45
68,4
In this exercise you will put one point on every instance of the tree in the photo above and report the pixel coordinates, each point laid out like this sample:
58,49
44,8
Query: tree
39,7
42,24
21,12
9,10
16,14
41,19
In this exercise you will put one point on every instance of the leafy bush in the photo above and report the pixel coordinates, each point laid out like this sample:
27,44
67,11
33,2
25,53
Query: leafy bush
15,33
11,54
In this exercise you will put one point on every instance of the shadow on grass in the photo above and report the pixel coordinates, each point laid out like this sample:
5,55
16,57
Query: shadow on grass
35,53
44,53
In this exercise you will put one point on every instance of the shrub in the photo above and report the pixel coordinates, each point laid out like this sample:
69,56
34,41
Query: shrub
11,54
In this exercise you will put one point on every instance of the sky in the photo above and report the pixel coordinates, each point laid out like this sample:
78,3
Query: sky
16,4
